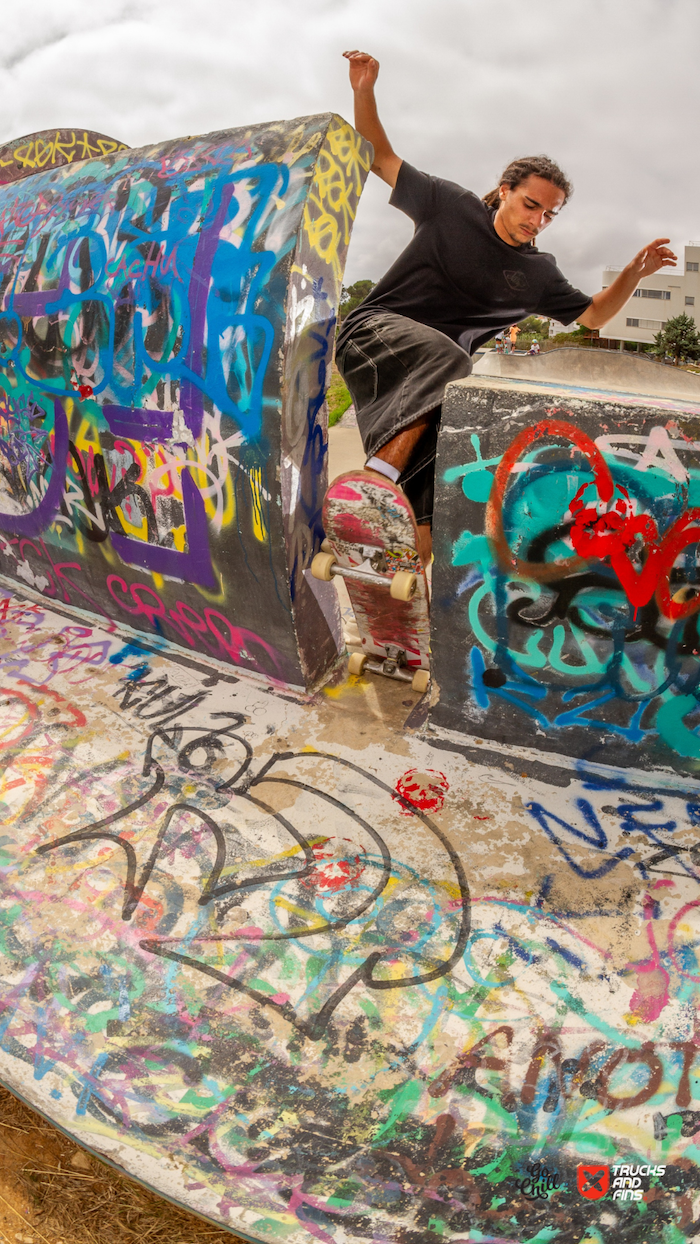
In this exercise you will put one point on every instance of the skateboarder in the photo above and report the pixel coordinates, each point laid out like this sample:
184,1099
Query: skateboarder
471,270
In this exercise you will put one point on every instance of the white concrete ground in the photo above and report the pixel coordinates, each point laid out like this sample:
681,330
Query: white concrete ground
292,962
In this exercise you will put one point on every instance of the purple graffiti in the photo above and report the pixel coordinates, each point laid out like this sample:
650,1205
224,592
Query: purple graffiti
40,518
192,567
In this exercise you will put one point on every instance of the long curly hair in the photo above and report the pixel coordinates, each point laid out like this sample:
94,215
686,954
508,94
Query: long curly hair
519,170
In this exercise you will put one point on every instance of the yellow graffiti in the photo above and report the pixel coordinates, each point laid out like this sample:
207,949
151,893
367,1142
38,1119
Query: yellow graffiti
87,438
139,531
329,211
179,537
350,148
259,525
47,151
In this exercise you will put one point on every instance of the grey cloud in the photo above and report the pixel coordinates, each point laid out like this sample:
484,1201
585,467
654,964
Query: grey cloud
610,89
30,30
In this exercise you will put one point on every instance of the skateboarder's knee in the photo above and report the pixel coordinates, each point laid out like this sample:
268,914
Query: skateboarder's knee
400,449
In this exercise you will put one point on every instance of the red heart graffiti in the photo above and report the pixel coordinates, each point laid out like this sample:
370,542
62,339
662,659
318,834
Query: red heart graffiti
608,536
612,535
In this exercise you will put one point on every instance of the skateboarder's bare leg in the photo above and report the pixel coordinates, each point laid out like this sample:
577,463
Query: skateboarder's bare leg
397,452
424,542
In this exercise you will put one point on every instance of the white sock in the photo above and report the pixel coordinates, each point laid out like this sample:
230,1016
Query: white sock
384,468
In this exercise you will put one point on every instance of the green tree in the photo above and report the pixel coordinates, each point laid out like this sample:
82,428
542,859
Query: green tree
352,296
534,326
679,338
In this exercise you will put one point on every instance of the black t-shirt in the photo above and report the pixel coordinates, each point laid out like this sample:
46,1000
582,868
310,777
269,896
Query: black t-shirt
457,275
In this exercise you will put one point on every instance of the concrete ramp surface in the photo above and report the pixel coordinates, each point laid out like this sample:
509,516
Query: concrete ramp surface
597,369
324,980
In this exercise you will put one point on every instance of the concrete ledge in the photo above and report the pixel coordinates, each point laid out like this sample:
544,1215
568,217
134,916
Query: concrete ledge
597,369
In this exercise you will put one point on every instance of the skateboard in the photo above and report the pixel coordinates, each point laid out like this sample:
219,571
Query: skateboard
371,542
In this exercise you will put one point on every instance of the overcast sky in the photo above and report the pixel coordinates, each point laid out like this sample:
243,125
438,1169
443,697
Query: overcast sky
609,88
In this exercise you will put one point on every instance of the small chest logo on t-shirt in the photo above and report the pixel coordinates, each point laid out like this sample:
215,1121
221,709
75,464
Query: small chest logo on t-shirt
516,279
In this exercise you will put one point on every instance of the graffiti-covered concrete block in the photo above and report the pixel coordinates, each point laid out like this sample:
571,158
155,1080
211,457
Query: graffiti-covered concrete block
166,333
567,578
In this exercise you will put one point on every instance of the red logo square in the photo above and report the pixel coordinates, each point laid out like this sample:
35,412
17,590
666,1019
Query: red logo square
593,1181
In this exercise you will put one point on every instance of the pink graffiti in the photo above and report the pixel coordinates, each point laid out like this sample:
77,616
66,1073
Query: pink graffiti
651,995
235,643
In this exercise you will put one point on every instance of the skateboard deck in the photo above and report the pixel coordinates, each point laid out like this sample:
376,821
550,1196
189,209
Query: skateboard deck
370,527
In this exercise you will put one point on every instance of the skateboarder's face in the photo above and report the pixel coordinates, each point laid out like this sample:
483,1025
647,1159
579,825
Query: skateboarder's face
527,209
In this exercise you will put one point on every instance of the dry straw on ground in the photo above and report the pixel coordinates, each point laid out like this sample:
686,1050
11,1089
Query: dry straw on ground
52,1192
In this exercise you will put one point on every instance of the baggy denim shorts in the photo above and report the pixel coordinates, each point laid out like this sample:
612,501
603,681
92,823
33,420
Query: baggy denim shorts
396,370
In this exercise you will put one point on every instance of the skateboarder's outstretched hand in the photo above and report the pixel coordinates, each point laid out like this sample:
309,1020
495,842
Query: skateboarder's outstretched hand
652,257
363,70
363,75
607,302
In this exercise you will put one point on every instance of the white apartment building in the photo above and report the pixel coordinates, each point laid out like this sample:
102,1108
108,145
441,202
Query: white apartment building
657,299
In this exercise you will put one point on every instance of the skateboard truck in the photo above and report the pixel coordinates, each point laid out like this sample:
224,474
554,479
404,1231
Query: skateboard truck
394,665
372,542
401,585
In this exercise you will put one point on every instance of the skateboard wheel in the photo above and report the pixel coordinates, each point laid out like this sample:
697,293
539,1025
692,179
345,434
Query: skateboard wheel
421,678
326,546
321,566
357,662
403,585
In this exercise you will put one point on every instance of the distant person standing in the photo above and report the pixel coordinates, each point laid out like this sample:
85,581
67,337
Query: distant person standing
471,269
514,333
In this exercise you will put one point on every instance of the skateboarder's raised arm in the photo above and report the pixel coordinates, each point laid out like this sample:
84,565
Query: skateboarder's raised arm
605,304
363,75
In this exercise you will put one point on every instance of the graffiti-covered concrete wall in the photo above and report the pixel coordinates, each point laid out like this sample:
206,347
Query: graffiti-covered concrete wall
166,326
567,582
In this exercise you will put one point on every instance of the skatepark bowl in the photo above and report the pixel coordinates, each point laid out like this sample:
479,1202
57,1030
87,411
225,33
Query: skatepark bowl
306,955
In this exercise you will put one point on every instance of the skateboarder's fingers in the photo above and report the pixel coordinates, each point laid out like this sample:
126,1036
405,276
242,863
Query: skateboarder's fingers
364,56
655,253
657,244
663,255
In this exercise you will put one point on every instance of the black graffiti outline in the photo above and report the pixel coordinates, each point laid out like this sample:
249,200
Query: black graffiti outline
315,1027
642,623
211,891
109,500
133,891
138,680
